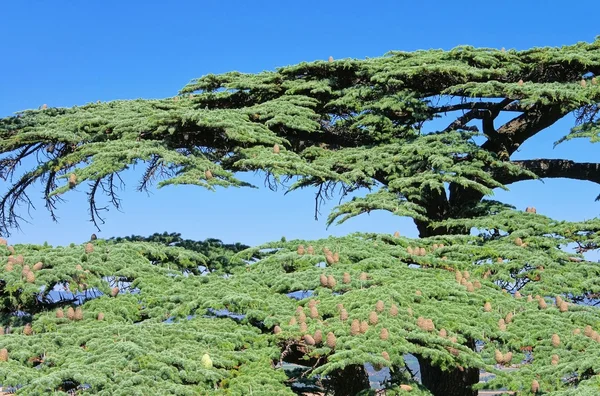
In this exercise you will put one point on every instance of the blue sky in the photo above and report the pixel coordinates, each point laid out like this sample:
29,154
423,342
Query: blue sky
66,53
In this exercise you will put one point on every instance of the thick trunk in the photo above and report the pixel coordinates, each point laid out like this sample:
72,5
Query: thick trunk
448,383
348,381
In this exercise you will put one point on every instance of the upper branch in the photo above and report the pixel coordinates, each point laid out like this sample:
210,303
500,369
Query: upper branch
556,168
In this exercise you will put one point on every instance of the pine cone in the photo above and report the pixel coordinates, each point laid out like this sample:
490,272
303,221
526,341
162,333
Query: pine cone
310,250
355,327
336,257
323,280
409,250
292,321
487,307
208,174
331,281
385,355
38,266
466,275
587,330
518,242
300,250
309,340
3,355
72,180
501,324
78,313
555,340
20,260
70,313
303,327
384,334
422,251
312,303
509,317
564,307
114,291
379,306
535,386
470,287
314,313
458,276
330,260
101,316
30,278
373,318
508,357
393,310
346,279
331,340
89,248
542,304
60,313
343,315
477,284
301,317
364,326
318,337
498,357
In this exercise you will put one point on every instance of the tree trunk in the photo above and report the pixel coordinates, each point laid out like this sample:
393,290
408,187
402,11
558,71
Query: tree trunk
448,383
348,381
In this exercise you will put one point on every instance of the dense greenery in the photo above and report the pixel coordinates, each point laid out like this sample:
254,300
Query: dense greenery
485,286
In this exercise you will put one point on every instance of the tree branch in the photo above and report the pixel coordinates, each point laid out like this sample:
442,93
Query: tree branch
556,168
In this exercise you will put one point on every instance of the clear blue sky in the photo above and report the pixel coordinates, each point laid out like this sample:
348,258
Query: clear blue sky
66,53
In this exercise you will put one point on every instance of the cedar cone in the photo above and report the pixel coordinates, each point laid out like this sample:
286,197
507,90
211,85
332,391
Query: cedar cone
355,327
577,331
498,357
487,307
89,248
520,83
405,387
331,281
558,300
20,260
323,280
114,291
30,278
542,304
410,311
422,251
300,250
509,317
594,82
518,242
363,276
555,360
470,287
587,330
458,276
583,83
312,303
477,284
463,281
101,316
310,250
78,267
373,318
299,309
517,294
418,293
78,313
507,357
466,275
330,59
276,148
9,267
11,249
396,234
318,337
499,260
208,174
331,340
443,333
314,313
535,386
379,306
27,330
336,257
529,298
555,340
343,315
60,313
384,334
393,310
339,306
409,250
346,279
3,355
25,270
292,321
385,355
364,326
309,340
303,327
3,242
72,180
501,324
330,260
70,313
38,266
564,307
301,317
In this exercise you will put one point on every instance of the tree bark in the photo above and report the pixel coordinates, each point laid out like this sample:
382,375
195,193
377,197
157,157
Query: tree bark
448,383
348,381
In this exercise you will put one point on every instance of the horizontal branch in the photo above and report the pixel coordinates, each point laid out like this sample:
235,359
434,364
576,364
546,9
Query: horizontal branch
556,168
